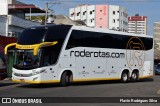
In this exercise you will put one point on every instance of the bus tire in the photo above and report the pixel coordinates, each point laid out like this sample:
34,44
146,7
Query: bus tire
134,76
65,79
124,77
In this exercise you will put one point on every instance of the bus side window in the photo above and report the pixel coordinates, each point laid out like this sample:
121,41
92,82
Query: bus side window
50,55
46,61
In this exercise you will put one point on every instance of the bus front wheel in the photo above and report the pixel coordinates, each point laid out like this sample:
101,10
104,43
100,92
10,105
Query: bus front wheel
66,79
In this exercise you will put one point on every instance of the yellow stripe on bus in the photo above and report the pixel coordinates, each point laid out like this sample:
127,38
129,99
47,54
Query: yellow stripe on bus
36,82
146,76
75,80
95,79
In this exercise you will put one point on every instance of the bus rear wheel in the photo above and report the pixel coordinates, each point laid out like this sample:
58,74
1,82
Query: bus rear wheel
124,77
134,76
66,79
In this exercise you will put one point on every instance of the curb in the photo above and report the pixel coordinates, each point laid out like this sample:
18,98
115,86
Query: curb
7,79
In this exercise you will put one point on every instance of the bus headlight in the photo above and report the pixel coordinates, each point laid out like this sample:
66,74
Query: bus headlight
34,72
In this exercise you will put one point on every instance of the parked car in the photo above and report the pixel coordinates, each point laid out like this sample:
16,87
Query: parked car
157,69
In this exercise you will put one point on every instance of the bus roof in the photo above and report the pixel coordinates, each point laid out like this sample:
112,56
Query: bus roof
103,30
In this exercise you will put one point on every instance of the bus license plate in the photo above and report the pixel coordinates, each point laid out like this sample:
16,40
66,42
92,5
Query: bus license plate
22,80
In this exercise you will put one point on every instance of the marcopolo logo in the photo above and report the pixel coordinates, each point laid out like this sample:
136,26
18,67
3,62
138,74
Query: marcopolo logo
135,53
85,53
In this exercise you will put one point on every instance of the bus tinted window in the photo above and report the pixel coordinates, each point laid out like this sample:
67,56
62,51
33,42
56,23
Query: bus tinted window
32,36
57,33
104,40
51,53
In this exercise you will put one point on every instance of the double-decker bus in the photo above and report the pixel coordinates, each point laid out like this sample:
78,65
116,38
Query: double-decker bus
65,54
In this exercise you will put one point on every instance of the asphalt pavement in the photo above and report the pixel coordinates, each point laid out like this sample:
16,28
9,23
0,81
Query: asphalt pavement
143,88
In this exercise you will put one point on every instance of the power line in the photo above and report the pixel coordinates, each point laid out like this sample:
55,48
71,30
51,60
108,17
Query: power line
49,5
105,0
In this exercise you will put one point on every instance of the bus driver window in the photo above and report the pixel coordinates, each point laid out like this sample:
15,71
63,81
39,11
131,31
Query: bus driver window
28,60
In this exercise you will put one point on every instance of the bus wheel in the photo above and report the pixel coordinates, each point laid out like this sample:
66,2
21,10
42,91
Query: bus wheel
134,76
124,77
66,79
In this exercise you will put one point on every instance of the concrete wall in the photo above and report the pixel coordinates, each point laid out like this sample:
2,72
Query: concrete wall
123,19
114,17
77,13
3,25
3,7
84,13
72,14
102,16
91,16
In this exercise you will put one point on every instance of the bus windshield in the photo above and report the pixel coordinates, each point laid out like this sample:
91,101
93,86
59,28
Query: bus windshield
24,59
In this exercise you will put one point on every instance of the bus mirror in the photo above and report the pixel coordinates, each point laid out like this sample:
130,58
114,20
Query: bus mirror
44,44
6,48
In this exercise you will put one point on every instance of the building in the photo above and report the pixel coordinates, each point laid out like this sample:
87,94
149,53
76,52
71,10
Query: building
118,18
137,24
102,16
157,41
157,33
12,17
3,21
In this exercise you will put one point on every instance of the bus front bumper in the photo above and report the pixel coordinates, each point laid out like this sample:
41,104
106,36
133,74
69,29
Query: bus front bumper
32,80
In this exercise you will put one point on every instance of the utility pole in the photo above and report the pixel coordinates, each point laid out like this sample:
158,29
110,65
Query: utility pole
48,8
46,16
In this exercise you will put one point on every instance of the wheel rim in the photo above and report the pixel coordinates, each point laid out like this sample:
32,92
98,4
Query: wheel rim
67,79
125,77
134,76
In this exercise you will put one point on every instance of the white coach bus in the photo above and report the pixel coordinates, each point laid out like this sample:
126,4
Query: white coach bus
64,54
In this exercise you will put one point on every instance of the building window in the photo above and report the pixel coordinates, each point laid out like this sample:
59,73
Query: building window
84,12
113,20
78,13
90,12
113,12
91,21
72,14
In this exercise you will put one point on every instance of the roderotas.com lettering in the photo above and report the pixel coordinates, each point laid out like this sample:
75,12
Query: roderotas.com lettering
85,53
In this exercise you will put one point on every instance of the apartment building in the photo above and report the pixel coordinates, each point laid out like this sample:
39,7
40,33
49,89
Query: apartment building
137,24
157,33
103,16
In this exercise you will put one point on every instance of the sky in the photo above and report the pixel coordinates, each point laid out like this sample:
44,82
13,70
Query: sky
149,8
